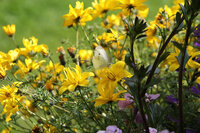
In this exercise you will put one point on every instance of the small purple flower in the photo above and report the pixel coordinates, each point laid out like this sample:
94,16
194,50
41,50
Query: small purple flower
172,99
129,100
152,130
150,97
189,131
195,90
111,129
197,34
166,131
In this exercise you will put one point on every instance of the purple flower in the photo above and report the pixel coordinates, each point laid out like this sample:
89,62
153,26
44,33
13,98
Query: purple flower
129,100
111,129
197,44
152,130
166,131
150,97
189,131
195,90
172,99
197,34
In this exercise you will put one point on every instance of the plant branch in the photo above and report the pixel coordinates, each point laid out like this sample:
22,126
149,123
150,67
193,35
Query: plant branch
180,76
174,31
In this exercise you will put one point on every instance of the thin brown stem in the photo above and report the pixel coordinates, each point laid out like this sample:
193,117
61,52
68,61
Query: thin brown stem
141,109
180,76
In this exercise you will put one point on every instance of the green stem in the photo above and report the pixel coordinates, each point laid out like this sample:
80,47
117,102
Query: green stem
90,110
85,34
77,46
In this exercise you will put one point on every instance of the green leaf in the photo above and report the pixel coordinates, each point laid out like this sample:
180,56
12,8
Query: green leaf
178,45
163,57
184,13
157,71
128,60
178,17
187,57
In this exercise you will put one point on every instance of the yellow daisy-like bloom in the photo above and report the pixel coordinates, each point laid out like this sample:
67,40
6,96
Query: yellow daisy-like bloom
77,15
107,95
113,20
6,130
49,85
10,106
164,16
6,60
30,65
32,47
110,76
173,63
128,5
7,92
2,72
30,106
110,39
85,55
103,6
74,78
153,40
176,7
10,30
49,128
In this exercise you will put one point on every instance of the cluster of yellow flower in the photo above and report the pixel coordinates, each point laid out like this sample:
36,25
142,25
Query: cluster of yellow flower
163,19
10,100
79,15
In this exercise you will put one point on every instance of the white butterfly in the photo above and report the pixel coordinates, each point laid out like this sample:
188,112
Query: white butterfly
100,58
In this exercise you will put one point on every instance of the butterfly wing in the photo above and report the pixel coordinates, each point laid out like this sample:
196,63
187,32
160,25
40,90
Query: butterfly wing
100,58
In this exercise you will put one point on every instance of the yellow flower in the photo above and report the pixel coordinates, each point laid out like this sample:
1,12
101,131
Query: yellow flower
152,39
176,7
77,15
49,85
128,5
113,20
7,92
54,67
6,130
164,16
103,6
120,54
110,76
6,60
49,128
30,105
74,78
30,65
110,39
32,47
2,72
107,95
173,63
10,106
9,30
85,55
